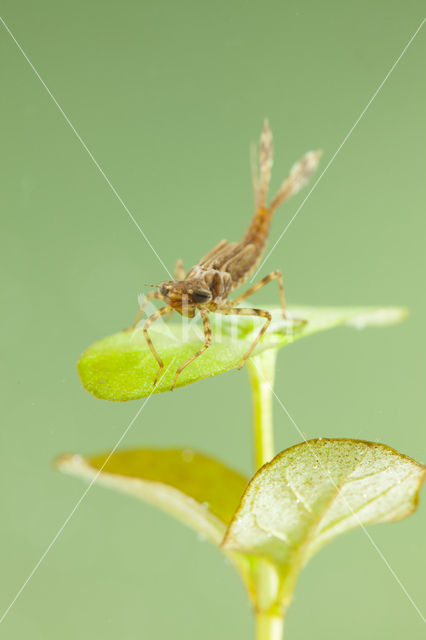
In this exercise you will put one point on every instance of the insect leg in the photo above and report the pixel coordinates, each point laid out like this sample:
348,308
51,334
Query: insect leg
150,296
249,312
155,316
207,340
179,273
272,276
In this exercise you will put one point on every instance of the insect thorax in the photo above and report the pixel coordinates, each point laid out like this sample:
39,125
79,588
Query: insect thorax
218,282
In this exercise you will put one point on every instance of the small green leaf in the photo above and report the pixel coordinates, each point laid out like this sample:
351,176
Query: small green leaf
196,489
317,490
121,367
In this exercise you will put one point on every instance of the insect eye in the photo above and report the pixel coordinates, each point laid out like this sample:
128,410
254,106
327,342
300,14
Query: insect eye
201,296
164,290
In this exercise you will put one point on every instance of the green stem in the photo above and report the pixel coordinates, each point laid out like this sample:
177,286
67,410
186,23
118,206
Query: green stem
269,619
269,627
262,375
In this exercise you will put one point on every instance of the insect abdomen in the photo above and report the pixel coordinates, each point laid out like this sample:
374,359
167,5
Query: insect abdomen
258,230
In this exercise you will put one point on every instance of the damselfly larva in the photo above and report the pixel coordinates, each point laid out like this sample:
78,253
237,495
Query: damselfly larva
228,265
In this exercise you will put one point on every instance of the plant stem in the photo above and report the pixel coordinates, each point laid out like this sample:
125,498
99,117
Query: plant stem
262,374
269,623
269,627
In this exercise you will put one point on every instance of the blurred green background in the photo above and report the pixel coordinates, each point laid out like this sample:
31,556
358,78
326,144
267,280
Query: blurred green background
168,96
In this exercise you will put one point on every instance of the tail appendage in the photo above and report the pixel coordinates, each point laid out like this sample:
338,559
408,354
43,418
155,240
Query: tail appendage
297,179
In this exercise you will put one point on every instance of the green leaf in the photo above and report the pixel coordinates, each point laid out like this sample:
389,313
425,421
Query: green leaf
121,367
198,490
314,491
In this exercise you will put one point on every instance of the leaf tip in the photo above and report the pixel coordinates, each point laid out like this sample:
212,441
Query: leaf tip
69,462
386,316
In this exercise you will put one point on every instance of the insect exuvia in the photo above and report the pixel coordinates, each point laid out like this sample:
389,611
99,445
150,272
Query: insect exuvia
228,265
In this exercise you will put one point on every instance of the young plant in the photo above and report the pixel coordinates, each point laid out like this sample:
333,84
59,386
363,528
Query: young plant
268,526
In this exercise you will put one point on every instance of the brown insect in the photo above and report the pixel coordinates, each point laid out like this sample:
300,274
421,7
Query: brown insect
228,265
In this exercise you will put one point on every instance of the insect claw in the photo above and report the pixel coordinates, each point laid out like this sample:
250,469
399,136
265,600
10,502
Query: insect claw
175,380
298,323
154,384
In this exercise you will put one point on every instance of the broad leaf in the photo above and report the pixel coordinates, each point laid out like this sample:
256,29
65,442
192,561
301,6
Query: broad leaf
121,367
317,490
198,490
